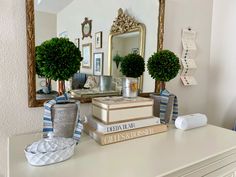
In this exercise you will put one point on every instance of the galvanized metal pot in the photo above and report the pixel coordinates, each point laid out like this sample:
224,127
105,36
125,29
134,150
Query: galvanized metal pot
105,83
64,119
130,87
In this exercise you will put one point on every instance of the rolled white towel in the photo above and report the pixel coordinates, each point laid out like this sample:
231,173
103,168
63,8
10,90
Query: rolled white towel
191,121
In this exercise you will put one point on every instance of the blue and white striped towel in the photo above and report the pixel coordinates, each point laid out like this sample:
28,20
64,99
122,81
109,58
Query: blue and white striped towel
164,102
47,118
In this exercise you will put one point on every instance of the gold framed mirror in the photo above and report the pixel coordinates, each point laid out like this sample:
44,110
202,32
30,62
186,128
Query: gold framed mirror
127,35
30,30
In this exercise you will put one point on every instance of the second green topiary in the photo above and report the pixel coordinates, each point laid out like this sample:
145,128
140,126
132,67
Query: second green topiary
163,65
132,65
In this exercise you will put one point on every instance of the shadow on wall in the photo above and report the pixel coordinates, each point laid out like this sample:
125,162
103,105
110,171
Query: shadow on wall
230,116
213,98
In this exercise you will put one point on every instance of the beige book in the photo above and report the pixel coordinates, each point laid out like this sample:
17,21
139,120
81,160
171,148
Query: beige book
105,139
118,109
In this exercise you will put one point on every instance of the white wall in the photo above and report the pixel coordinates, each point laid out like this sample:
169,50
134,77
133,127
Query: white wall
130,43
45,29
196,14
222,85
45,26
15,116
103,13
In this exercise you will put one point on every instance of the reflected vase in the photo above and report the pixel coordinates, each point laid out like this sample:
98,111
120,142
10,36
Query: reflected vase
105,83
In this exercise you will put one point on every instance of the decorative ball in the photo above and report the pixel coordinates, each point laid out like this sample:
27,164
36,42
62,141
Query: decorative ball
163,65
132,65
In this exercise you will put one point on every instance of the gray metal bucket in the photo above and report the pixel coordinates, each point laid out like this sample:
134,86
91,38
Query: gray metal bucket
156,107
130,87
64,119
105,83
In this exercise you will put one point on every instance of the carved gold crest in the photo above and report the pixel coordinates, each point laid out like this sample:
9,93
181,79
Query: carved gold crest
123,23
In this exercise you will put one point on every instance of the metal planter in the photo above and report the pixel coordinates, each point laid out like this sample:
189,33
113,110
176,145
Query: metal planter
64,119
130,87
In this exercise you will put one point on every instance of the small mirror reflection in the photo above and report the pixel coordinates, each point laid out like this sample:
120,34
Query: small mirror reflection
122,45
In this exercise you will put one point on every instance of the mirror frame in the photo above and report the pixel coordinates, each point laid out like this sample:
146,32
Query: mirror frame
117,30
30,35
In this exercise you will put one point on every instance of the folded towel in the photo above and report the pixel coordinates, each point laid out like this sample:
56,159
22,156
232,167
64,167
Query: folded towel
166,97
47,118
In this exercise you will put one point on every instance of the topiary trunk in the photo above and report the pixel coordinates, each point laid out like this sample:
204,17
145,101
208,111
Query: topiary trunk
159,86
49,85
61,87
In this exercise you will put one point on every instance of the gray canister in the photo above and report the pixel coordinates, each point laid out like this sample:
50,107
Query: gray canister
130,87
168,111
105,83
64,119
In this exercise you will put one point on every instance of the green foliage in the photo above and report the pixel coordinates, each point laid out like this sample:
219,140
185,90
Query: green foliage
117,59
38,69
163,65
57,59
132,65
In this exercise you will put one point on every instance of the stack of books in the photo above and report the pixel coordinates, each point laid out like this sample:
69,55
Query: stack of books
116,119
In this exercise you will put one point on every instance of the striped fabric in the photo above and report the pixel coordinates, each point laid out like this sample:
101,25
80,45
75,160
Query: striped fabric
47,118
164,107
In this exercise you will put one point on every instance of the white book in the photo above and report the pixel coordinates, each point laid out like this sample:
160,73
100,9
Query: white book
112,128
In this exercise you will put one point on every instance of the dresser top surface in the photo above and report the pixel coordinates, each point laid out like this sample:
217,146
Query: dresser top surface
150,156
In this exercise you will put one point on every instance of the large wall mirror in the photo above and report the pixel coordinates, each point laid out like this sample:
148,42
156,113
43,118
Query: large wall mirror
63,18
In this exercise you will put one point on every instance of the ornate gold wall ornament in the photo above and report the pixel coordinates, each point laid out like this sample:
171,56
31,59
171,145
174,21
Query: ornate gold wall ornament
123,23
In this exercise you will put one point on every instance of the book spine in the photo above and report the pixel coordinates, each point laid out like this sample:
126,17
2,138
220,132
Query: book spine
105,139
125,126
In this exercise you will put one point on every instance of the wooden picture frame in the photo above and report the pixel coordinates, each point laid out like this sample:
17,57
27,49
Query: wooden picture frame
98,40
87,55
98,63
77,42
86,28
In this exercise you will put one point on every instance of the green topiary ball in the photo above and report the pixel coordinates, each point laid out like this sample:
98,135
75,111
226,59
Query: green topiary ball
132,65
163,65
58,59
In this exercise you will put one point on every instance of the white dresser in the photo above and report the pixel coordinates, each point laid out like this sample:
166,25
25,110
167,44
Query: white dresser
208,151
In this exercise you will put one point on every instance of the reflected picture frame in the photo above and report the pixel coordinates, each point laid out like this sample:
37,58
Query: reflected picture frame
77,42
98,40
86,28
98,63
87,55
